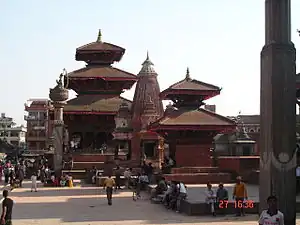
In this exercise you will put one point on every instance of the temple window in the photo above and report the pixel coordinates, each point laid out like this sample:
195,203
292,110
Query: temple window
252,130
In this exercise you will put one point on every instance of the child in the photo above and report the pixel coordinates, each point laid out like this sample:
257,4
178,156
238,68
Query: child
62,181
33,182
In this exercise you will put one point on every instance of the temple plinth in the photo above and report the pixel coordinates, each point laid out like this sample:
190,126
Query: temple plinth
58,95
278,111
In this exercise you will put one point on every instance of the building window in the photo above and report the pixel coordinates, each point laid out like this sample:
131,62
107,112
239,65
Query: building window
33,114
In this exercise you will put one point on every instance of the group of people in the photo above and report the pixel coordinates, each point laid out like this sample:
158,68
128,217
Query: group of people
13,174
219,199
173,193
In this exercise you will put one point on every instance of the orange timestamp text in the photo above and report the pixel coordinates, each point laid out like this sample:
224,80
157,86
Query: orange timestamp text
247,204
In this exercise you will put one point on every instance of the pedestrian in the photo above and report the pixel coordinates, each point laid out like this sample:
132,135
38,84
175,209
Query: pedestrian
108,184
272,215
33,182
7,206
222,199
239,195
182,194
118,177
210,198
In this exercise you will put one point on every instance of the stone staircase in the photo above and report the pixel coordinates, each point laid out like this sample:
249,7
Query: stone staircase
105,162
198,175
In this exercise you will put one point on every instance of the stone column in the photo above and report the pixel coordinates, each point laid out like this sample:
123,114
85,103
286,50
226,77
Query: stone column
58,134
59,95
278,111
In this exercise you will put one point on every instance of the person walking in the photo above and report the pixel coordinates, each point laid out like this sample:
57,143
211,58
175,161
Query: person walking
7,206
272,215
239,195
34,182
108,184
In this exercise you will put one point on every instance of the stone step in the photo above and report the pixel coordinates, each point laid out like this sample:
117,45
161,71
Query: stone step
87,165
76,174
199,178
195,170
85,157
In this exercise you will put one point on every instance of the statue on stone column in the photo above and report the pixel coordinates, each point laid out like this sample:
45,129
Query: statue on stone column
63,80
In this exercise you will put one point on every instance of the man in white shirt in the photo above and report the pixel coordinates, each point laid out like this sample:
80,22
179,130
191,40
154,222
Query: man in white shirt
181,195
272,216
127,175
34,182
210,198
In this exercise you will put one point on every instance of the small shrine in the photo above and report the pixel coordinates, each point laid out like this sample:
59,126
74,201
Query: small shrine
237,143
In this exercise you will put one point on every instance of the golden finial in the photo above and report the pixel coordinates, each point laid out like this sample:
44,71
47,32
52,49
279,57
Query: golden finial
99,38
187,76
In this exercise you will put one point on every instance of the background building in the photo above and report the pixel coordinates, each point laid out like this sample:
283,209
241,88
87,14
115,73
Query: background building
38,124
10,133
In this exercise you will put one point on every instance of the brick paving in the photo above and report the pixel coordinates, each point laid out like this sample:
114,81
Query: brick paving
87,206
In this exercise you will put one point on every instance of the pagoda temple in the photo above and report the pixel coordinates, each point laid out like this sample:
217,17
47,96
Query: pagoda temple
90,117
188,129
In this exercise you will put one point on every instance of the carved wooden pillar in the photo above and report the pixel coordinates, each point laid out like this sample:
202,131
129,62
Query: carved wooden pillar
160,148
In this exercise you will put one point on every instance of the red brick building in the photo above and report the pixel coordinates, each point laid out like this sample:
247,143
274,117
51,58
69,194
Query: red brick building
38,124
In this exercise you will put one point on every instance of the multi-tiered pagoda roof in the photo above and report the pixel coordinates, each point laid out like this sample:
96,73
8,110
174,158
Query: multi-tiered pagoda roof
99,84
185,113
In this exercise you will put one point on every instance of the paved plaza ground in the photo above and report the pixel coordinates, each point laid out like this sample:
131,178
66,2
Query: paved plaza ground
87,206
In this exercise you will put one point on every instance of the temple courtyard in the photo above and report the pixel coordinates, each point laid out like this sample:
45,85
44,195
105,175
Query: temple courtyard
86,205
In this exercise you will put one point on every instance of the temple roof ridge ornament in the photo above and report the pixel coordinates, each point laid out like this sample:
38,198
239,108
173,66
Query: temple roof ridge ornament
99,38
147,66
187,76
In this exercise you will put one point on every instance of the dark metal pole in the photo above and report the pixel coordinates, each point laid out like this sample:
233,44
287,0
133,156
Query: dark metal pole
278,111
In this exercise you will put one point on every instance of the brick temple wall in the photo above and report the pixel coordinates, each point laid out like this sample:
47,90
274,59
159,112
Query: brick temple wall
193,155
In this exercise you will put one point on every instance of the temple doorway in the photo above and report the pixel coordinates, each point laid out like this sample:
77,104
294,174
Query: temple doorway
149,149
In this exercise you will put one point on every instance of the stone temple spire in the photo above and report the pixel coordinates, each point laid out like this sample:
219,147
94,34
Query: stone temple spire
147,67
146,106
